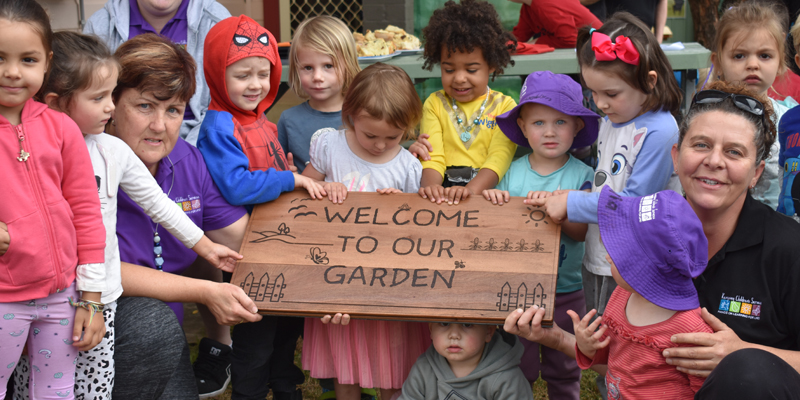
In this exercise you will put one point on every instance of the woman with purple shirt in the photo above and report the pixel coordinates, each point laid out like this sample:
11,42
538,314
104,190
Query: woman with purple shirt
155,82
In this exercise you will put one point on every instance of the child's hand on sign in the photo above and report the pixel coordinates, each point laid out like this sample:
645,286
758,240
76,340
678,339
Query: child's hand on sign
314,188
555,206
497,196
528,324
336,319
389,191
337,192
454,194
539,194
433,192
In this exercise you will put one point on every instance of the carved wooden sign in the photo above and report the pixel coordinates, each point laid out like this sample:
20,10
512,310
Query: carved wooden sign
399,257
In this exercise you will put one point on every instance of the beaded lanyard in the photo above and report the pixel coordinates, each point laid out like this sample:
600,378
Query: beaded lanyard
157,239
466,131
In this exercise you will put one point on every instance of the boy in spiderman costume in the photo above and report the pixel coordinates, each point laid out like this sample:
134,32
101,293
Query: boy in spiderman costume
245,159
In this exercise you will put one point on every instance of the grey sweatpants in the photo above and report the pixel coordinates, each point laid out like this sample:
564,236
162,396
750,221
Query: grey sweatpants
151,353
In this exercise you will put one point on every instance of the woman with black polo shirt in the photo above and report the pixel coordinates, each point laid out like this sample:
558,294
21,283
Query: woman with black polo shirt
751,287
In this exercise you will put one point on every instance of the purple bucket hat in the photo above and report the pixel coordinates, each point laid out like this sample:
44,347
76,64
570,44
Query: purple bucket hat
559,92
657,243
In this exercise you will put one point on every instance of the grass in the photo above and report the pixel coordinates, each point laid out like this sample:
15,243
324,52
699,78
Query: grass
312,390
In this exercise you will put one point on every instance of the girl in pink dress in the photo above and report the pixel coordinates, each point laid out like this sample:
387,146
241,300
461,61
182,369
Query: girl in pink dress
367,156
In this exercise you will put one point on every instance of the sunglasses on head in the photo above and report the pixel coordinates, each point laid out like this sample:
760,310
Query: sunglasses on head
743,102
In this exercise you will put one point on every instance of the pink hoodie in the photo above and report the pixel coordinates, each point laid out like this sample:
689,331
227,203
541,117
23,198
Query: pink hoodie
49,203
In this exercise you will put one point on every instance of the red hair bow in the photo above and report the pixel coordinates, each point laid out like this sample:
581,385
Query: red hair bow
606,50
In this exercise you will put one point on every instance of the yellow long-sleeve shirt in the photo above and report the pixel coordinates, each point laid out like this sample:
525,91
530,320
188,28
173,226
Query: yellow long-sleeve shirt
488,146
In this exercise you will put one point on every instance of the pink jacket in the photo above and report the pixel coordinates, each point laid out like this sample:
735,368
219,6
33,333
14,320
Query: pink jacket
49,203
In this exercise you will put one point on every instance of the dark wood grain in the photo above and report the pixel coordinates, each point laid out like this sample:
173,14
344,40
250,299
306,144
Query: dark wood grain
399,257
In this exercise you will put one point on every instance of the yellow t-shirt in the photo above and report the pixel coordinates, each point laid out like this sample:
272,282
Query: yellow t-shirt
487,148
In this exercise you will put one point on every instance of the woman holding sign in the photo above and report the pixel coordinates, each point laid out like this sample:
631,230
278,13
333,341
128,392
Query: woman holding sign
749,289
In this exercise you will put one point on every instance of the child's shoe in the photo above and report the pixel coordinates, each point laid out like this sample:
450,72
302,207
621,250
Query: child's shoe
212,369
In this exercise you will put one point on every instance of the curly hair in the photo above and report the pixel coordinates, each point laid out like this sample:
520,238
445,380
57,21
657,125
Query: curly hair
764,132
464,26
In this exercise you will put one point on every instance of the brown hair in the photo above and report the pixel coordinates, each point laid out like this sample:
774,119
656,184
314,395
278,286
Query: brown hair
77,60
329,36
666,94
750,16
386,93
764,128
464,26
153,64
31,13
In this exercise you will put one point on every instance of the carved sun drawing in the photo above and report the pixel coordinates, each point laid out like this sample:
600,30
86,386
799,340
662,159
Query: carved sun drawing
536,215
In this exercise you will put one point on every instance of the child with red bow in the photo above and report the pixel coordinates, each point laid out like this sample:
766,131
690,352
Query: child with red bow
632,83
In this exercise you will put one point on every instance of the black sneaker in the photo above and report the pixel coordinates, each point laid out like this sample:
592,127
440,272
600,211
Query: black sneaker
212,369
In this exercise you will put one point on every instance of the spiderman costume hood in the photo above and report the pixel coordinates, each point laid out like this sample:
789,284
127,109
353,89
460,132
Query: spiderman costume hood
229,41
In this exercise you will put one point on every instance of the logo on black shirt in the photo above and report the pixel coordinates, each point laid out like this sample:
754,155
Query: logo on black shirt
740,307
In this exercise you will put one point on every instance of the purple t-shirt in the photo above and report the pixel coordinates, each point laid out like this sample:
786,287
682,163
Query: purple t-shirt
194,191
175,30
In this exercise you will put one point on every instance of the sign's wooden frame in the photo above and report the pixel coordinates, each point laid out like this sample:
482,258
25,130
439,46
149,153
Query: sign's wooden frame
399,257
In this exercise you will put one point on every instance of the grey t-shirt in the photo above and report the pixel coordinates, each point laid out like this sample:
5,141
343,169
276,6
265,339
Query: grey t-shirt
331,156
298,124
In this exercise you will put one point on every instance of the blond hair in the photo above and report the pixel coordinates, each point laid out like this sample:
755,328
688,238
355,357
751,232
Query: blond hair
748,17
795,32
386,93
329,36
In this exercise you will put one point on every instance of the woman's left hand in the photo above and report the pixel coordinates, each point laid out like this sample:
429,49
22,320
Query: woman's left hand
709,350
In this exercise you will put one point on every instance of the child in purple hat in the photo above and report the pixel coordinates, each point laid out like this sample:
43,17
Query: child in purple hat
550,119
656,246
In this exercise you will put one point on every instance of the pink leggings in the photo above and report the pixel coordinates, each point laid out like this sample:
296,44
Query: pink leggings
46,325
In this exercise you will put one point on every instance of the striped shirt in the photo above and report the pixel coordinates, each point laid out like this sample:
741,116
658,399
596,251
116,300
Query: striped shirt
636,368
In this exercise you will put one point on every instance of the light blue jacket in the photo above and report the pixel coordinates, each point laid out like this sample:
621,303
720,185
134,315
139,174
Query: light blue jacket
112,23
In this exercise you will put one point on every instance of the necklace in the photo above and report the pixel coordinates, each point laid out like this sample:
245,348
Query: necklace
466,134
159,260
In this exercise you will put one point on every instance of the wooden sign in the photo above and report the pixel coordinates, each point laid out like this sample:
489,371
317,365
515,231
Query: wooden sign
399,257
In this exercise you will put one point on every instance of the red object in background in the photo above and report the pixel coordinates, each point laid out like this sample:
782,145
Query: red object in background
786,85
272,18
529,48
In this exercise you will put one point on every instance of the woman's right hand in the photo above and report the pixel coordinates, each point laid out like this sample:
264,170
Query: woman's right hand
336,319
229,304
422,147
5,238
337,192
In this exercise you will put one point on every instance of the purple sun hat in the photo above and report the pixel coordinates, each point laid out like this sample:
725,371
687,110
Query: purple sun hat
657,244
559,92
